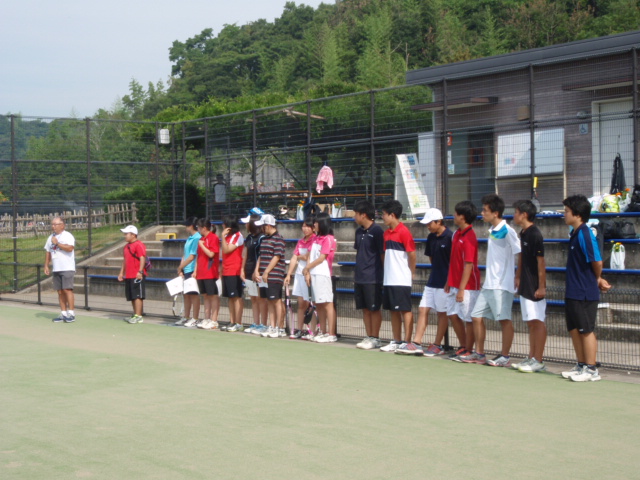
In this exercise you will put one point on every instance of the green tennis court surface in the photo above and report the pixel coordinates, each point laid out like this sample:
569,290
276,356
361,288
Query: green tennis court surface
104,399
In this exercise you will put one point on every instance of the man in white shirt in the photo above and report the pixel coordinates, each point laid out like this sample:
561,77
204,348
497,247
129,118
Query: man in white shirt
496,297
60,252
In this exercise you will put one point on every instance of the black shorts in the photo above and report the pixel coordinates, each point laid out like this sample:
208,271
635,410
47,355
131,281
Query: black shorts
232,286
273,291
581,314
368,296
134,289
208,286
396,298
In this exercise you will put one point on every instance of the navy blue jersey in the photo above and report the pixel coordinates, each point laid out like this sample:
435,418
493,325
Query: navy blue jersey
369,244
581,282
438,249
252,244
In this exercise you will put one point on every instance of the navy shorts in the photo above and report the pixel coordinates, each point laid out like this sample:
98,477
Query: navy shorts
273,291
368,296
232,286
396,298
581,314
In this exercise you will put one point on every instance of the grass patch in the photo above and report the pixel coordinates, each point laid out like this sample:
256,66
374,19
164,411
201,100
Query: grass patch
30,251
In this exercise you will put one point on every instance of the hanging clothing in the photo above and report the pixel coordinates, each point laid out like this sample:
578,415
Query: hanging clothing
325,176
618,183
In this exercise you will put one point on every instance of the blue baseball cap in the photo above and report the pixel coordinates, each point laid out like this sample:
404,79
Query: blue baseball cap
253,211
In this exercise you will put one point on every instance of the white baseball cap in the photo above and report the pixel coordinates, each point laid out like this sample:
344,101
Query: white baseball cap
430,215
267,220
129,229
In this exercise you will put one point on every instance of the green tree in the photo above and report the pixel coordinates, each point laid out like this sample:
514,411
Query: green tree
491,37
619,16
539,23
380,65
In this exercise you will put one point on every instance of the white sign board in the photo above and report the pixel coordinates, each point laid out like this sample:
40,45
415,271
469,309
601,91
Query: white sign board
409,186
427,165
514,155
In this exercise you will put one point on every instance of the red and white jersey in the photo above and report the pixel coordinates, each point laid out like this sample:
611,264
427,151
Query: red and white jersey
398,243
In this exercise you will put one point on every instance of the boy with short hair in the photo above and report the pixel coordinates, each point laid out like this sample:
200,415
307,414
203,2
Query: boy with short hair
133,272
399,269
438,249
531,282
271,271
369,245
583,284
495,301
463,281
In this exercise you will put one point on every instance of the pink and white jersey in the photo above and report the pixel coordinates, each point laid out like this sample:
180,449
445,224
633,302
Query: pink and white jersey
302,248
334,248
323,246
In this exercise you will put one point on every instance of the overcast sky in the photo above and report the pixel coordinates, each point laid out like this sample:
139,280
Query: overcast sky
78,56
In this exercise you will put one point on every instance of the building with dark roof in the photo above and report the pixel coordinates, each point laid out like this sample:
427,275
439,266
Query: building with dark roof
577,103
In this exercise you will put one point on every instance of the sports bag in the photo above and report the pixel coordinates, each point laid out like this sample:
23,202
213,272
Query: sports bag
626,229
147,263
609,228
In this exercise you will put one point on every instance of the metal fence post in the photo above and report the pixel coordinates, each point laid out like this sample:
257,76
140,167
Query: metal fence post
310,190
634,86
228,186
207,170
157,143
444,142
372,146
532,134
89,214
254,145
14,202
39,280
86,288
184,172
173,171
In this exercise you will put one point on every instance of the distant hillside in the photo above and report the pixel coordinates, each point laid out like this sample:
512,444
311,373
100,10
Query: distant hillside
355,45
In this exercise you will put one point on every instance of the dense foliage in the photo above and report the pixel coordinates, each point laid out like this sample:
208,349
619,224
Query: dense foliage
344,47
355,45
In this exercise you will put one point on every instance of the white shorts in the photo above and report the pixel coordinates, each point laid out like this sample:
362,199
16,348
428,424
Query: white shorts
322,289
462,309
252,288
533,310
300,288
493,305
435,298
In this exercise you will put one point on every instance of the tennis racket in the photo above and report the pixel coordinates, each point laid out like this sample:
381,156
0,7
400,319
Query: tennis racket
309,314
534,194
288,313
178,305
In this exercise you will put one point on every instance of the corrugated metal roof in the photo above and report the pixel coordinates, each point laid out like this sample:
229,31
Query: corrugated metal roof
565,52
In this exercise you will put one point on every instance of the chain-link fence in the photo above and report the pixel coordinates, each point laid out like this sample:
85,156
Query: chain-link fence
472,134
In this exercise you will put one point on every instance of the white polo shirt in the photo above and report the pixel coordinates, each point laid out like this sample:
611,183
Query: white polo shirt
62,261
504,245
